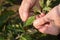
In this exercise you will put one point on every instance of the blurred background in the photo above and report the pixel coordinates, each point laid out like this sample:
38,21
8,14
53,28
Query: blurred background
11,26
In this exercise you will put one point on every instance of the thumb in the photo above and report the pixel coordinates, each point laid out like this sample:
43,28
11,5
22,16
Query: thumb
25,8
23,14
40,21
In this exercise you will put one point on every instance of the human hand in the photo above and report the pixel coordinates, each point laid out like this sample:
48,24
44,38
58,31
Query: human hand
50,23
25,8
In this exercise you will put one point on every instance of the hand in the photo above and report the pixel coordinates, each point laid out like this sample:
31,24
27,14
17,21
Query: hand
50,23
25,8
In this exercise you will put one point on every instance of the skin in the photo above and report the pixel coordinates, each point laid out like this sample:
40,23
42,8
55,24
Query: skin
48,24
25,8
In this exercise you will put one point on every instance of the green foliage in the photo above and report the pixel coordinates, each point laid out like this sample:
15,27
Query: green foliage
18,2
12,27
47,5
4,16
25,37
29,21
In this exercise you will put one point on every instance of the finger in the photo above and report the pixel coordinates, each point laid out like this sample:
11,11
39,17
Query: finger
40,21
37,16
43,29
42,14
47,29
23,11
25,8
23,14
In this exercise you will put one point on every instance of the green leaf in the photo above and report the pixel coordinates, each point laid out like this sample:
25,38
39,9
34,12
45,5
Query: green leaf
48,3
46,8
25,37
0,7
21,28
41,3
4,16
1,38
29,21
15,1
35,9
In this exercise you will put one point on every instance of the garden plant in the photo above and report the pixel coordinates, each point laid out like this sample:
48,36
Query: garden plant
13,28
